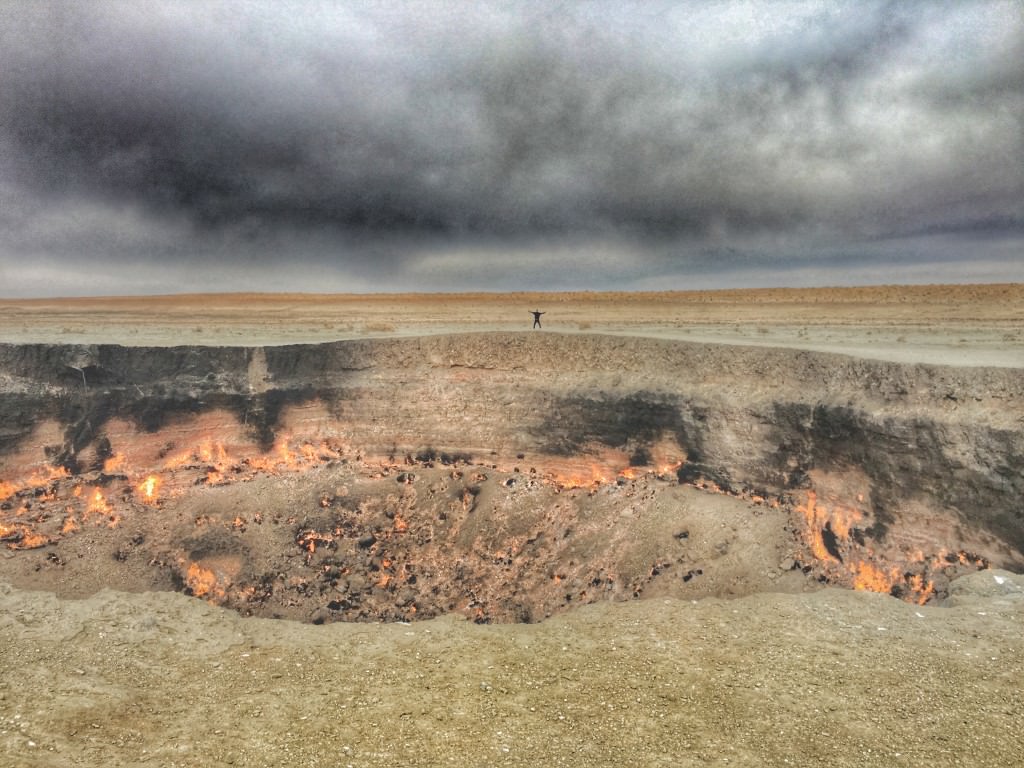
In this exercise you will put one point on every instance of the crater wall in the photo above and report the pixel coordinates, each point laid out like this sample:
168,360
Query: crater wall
910,450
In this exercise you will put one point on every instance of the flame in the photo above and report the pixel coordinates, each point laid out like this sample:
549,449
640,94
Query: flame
921,590
97,503
46,475
179,460
870,578
22,537
149,487
114,463
815,518
203,582
579,480
863,569
42,476
213,453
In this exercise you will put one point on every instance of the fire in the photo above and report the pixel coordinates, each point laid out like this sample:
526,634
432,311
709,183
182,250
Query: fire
815,518
213,453
400,525
41,477
203,582
844,557
921,589
114,464
149,487
579,480
22,537
870,578
46,475
98,505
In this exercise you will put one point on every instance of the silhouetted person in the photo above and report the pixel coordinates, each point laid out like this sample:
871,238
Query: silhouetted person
536,318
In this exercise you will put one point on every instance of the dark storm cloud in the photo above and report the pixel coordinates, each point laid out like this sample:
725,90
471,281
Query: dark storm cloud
382,135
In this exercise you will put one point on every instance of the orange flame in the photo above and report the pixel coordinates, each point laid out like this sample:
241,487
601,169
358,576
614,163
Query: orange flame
98,503
22,537
40,477
149,488
859,566
870,578
203,582
114,463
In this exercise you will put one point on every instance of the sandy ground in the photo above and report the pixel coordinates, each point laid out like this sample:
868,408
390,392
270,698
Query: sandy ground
948,325
830,678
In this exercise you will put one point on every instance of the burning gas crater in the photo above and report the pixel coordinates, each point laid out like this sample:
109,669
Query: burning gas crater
352,548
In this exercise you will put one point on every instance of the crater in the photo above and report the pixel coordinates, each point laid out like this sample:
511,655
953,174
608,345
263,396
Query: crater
501,476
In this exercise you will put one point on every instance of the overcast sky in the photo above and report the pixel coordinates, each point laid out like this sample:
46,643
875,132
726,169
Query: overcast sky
162,147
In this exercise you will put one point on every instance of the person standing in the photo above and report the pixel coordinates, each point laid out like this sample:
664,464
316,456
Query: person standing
536,318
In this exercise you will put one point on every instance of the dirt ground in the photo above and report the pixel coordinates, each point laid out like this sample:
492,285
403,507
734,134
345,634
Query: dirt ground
771,671
830,678
947,325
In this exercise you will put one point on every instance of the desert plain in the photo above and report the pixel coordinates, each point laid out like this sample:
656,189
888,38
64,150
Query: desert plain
773,527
